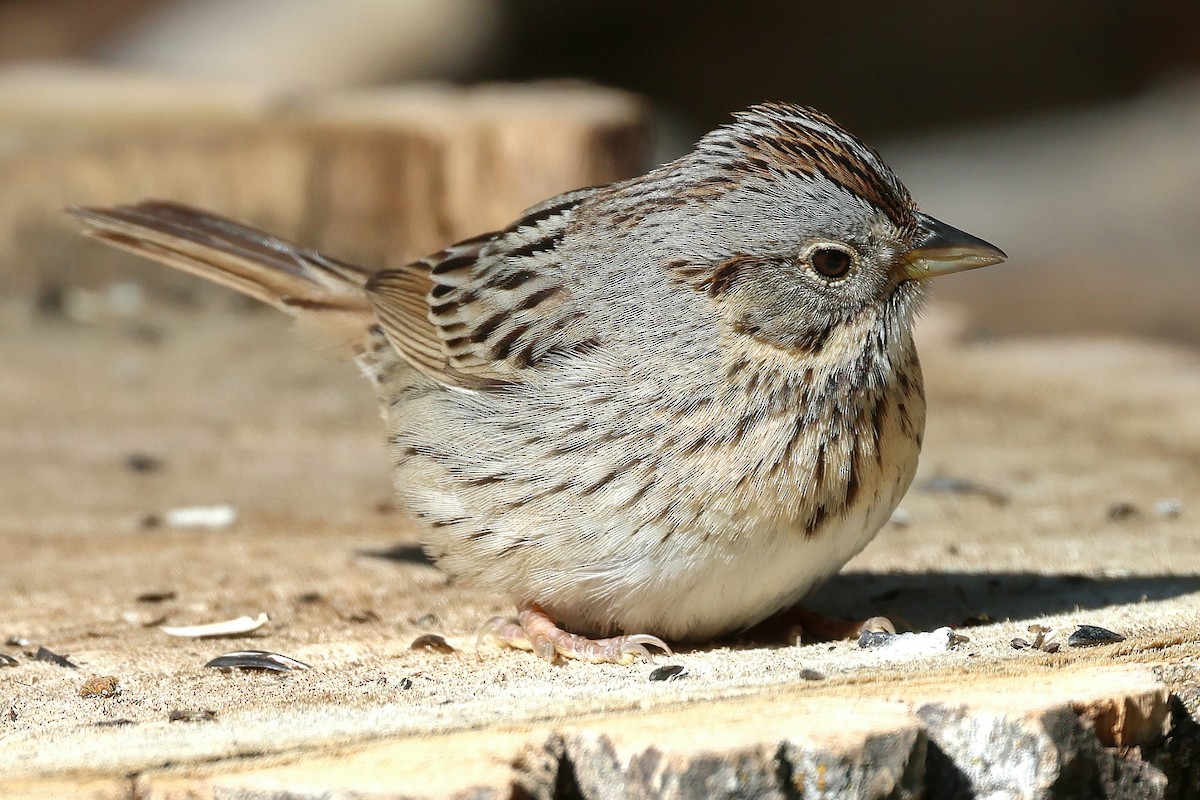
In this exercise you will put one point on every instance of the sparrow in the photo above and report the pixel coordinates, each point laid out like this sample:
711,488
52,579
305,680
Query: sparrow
660,409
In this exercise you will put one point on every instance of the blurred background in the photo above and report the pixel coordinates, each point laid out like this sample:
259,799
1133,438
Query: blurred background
1066,132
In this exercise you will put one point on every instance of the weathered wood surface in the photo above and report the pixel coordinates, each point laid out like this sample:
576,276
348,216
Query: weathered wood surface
1059,486
293,443
380,176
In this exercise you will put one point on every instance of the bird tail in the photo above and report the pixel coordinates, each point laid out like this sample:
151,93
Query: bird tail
319,291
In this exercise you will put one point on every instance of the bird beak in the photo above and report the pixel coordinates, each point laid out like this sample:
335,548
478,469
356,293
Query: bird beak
943,250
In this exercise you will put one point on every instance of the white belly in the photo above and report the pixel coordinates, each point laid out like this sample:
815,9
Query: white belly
730,586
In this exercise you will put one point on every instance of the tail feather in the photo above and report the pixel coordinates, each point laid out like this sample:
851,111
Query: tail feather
325,295
269,269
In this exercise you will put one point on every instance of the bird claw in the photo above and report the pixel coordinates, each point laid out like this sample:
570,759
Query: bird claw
505,630
536,632
877,625
638,642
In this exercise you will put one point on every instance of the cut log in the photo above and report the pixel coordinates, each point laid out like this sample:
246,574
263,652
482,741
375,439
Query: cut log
379,176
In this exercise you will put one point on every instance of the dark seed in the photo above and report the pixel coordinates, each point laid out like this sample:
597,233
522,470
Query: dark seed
1093,635
257,659
1019,644
406,683
1051,647
141,462
670,672
308,598
192,715
50,300
870,639
155,597
811,675
150,521
7,661
431,641
364,616
51,657
1122,510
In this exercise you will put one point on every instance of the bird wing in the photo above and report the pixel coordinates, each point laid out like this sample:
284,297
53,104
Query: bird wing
486,310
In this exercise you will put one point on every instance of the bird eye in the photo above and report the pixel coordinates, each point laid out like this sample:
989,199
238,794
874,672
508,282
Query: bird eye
830,262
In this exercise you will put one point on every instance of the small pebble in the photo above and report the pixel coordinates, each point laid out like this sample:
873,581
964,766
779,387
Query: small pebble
7,661
1170,507
811,675
100,686
1093,635
221,516
869,639
669,672
17,641
431,641
1019,644
899,646
406,683
125,298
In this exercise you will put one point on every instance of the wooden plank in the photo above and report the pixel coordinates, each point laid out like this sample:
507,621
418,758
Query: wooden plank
380,176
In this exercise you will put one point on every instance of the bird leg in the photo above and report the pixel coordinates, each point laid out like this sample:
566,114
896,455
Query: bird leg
535,631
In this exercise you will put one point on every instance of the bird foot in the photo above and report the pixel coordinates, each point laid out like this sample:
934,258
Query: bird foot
535,631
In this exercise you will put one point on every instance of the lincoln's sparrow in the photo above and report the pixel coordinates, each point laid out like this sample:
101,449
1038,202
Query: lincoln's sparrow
665,407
